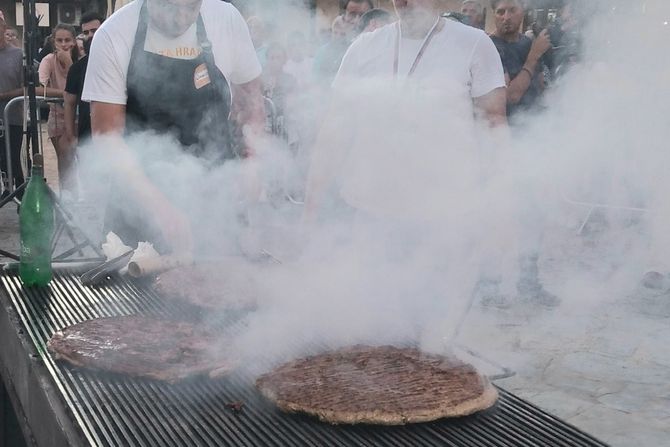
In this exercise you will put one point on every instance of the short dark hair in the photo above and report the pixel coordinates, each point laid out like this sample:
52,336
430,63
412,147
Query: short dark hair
373,14
346,2
495,3
90,16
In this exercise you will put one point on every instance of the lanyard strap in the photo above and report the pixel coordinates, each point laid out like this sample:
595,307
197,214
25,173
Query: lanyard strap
419,55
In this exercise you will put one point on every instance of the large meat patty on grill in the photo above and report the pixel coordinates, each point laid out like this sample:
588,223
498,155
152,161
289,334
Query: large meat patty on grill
143,347
378,385
211,286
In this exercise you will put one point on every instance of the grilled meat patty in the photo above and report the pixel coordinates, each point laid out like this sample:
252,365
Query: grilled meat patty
378,385
212,286
142,347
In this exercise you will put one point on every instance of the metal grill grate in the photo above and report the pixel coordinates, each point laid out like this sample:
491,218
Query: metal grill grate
115,410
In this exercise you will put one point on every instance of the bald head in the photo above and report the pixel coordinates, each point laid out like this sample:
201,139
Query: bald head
474,11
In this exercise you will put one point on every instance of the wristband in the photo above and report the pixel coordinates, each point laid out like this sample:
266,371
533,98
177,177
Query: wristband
530,73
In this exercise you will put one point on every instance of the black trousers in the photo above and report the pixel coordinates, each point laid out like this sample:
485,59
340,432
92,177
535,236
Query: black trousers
15,140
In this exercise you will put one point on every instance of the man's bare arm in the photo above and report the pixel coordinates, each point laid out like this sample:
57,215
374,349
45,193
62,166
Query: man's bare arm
248,109
518,86
49,92
492,108
9,94
70,106
330,149
108,124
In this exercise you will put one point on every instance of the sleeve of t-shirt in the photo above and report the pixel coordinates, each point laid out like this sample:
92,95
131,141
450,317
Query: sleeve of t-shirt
71,81
246,66
105,75
44,69
486,68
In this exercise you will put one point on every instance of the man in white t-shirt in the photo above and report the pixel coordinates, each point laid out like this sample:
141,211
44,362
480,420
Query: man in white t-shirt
183,67
401,142
412,71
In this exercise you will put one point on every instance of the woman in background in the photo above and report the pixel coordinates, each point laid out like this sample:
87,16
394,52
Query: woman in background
53,74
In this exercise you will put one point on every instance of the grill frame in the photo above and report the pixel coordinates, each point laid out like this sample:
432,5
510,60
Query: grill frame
76,407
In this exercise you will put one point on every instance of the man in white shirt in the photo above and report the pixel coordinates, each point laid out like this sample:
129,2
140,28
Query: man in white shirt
172,66
401,141
454,68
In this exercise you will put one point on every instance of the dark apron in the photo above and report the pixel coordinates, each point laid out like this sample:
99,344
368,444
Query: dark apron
189,98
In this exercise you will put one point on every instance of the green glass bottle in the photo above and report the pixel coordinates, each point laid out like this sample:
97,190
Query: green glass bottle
36,223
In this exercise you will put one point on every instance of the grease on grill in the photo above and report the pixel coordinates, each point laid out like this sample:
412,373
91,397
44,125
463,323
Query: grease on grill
235,407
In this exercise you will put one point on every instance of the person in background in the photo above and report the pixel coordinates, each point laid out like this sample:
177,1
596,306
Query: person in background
12,36
185,68
521,57
79,130
53,71
373,19
328,58
566,38
522,60
343,31
299,63
11,86
278,86
353,11
474,11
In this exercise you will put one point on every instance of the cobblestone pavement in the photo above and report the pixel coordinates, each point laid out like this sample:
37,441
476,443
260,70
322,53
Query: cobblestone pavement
599,361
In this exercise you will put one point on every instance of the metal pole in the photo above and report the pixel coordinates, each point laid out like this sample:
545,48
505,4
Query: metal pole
30,75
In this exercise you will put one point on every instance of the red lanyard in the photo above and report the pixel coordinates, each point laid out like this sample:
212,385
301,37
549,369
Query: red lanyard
419,55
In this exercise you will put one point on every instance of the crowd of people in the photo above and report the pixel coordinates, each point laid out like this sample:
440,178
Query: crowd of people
214,79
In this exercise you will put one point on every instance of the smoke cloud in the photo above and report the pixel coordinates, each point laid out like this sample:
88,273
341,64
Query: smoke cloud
459,209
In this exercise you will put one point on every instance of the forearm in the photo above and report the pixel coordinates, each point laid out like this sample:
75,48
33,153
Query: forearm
518,86
120,159
108,125
491,109
330,149
248,111
156,206
9,94
69,107
49,92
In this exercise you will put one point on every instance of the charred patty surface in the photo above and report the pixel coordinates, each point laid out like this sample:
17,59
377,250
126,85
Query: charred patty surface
212,286
142,347
378,385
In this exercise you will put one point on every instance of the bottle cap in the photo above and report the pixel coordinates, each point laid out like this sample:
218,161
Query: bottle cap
38,160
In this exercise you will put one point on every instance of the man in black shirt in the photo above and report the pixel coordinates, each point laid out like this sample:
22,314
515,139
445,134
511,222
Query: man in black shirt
521,56
90,22
523,66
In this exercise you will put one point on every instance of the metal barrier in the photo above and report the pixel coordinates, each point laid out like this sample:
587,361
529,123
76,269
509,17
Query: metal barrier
42,100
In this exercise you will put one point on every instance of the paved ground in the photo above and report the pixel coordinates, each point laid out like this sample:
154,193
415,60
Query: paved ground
599,361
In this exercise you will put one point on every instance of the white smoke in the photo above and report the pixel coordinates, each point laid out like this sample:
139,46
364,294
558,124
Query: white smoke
357,278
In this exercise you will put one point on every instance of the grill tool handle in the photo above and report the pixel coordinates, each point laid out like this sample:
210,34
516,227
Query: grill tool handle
99,273
149,266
